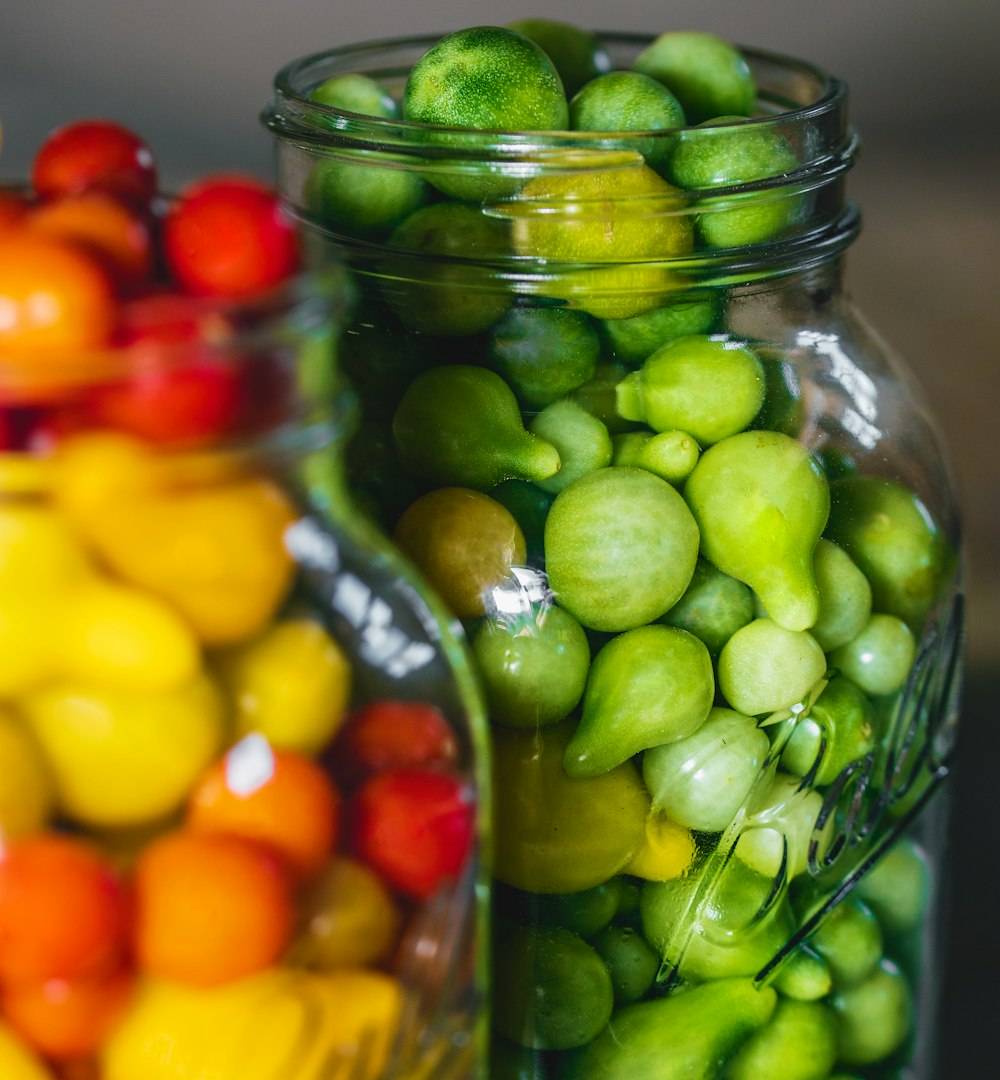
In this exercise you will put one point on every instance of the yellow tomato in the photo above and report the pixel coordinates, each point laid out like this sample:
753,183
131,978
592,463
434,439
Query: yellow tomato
121,758
667,851
38,550
216,553
292,685
117,636
278,1025
26,794
25,642
17,1062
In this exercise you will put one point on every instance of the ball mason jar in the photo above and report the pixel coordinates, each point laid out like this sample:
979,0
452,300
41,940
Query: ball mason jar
239,751
698,525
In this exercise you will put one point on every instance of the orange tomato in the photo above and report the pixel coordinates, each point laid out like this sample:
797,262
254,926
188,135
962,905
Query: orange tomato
210,908
115,231
65,1020
277,797
63,912
52,295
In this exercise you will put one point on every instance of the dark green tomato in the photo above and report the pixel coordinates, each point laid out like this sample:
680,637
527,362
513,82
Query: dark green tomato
874,1017
443,288
530,506
533,667
632,340
577,54
461,425
544,353
630,961
551,990
713,607
707,75
625,101
379,484
355,93
585,913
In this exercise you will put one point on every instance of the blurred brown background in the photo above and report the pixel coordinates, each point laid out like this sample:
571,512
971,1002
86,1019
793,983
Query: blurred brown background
191,76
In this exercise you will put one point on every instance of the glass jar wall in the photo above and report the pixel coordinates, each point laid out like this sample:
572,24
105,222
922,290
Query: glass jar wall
239,786
619,410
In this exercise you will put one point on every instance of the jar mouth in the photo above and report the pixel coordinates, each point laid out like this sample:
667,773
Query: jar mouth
794,215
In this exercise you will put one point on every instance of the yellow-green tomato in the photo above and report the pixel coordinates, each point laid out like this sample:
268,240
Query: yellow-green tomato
291,685
556,834
122,758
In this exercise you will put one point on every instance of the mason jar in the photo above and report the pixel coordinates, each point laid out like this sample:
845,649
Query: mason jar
620,412
241,778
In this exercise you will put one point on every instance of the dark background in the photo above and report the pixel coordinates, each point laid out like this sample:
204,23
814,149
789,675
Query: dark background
192,75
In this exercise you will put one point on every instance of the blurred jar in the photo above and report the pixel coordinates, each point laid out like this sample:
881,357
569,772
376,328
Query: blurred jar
619,410
240,766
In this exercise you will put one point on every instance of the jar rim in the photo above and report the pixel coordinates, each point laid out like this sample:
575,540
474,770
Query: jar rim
831,93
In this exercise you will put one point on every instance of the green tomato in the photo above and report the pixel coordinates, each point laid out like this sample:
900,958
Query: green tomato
620,548
714,606
556,834
486,78
880,657
840,725
635,338
630,960
710,387
897,888
624,101
799,1042
551,990
577,54
874,1017
850,940
533,669
582,440
355,93
434,282
845,597
706,74
544,353
360,200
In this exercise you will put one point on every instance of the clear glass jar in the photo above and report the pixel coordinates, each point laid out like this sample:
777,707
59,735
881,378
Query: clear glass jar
698,524
240,752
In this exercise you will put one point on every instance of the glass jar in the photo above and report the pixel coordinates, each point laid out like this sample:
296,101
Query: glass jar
621,413
240,760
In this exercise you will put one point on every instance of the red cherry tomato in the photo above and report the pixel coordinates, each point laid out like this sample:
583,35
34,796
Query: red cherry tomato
65,1020
52,295
394,735
228,236
63,911
414,828
94,153
104,223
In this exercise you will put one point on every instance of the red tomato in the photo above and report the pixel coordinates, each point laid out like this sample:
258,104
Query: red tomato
104,223
52,295
63,912
195,403
8,436
228,236
94,153
394,735
414,828
65,1019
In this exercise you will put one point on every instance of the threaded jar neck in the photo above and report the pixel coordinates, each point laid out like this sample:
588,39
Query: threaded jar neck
527,178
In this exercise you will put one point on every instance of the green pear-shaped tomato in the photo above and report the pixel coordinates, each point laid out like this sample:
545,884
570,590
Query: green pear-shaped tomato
761,501
461,424
620,548
649,686
555,834
688,1035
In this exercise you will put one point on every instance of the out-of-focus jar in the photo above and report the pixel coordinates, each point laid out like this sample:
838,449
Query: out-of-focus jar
619,409
240,760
